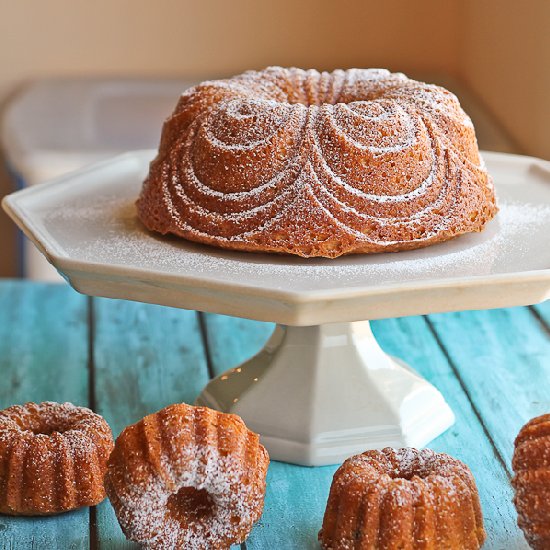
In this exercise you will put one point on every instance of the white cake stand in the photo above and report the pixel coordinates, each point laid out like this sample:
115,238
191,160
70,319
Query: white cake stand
322,388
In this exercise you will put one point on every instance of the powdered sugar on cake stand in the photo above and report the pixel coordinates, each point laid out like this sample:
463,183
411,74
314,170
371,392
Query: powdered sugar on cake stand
511,233
322,389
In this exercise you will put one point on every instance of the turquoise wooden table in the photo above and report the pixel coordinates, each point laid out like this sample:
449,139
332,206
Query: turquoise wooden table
126,359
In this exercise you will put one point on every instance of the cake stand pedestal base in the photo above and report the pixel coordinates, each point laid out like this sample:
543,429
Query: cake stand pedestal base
320,394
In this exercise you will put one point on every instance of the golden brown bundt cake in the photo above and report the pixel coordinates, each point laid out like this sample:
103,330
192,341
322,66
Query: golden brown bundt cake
187,477
53,457
402,499
317,164
531,464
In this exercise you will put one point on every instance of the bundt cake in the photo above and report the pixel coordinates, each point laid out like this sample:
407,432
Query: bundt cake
53,457
402,499
531,464
187,477
317,164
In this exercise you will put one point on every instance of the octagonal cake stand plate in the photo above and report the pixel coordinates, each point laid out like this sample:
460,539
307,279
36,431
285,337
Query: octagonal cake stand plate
321,389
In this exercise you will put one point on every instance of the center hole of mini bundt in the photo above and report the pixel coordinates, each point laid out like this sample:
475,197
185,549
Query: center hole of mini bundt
45,429
408,474
404,475
244,109
189,505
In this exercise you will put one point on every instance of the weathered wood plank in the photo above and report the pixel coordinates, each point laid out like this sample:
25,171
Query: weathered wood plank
43,356
145,357
503,359
296,496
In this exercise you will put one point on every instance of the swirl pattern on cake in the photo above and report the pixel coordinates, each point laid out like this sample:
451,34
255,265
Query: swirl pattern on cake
317,164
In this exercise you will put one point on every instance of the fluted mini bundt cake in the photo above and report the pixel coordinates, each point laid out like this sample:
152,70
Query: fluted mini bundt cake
317,164
402,499
187,477
53,457
531,464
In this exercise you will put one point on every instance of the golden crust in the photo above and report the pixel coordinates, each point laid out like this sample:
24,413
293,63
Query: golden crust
402,498
187,477
53,457
317,164
531,464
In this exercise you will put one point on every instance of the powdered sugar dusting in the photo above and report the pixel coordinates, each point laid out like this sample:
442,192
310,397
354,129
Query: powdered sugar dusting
187,478
145,508
42,419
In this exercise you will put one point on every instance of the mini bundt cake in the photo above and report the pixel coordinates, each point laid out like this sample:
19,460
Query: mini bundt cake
53,457
402,499
187,477
531,464
317,164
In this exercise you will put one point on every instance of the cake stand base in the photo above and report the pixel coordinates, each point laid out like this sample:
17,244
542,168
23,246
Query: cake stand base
320,394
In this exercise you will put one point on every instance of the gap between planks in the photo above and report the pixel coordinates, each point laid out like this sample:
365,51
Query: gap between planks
540,319
205,344
456,372
90,318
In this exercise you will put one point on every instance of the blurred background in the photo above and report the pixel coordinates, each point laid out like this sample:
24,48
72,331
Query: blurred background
84,80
